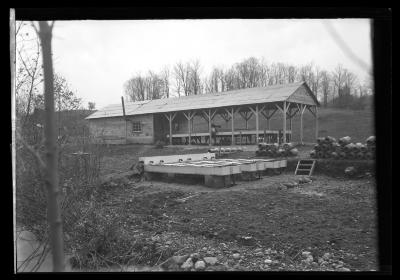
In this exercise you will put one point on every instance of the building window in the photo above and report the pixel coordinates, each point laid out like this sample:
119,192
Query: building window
136,127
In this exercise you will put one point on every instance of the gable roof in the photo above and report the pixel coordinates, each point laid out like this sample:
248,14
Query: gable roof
248,96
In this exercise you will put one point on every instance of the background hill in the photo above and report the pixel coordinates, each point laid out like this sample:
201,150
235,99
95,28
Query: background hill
358,124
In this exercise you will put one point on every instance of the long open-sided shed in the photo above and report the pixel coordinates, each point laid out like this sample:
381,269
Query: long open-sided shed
152,120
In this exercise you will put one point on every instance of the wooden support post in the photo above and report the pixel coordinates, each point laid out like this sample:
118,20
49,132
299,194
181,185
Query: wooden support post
255,112
209,117
267,115
233,126
257,125
190,129
170,129
209,126
284,121
246,115
247,122
189,117
170,117
302,109
259,109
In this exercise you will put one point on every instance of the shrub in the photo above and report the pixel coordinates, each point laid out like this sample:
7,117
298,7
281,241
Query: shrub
78,176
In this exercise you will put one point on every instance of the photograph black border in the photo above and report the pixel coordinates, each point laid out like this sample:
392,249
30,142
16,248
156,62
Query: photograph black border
382,65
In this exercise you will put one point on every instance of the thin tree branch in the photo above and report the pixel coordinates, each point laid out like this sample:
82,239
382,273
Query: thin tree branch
42,166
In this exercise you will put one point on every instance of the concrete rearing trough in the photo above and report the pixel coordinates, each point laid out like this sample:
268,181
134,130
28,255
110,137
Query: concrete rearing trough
218,173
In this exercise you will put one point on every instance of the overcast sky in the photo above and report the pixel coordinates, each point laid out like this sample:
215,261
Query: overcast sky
97,57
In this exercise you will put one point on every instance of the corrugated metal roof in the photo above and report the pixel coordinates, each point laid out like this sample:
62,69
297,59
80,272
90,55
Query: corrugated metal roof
204,101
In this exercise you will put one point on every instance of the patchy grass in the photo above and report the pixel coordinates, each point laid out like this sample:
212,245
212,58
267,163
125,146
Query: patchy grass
146,222
327,215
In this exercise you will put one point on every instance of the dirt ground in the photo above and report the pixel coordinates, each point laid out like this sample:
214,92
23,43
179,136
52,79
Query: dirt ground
329,215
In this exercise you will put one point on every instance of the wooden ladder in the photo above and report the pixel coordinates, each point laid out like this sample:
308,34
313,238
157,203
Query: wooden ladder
305,167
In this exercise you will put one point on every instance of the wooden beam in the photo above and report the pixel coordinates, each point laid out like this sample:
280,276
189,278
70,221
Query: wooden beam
187,116
267,115
166,116
309,109
213,113
273,112
225,116
289,105
204,115
252,110
210,113
291,115
172,115
279,108
246,115
231,111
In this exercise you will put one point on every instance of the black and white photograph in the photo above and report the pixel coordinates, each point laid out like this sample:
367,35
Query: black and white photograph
194,145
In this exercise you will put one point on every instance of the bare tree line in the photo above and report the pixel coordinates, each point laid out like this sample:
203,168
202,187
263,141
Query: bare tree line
29,89
29,78
183,79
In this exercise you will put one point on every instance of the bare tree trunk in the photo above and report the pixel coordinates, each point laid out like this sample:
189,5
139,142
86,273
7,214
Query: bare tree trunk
53,191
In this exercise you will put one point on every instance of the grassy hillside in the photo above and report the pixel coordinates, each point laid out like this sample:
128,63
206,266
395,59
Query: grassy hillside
333,122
